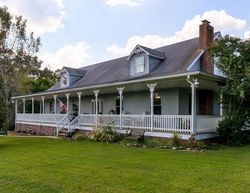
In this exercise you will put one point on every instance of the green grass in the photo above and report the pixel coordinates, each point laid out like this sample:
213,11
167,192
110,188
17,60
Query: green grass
50,165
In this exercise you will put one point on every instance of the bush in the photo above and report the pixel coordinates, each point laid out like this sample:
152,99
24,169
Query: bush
195,144
105,134
79,137
176,141
151,142
229,130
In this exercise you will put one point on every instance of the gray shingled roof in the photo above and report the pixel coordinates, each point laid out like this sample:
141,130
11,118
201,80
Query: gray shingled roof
178,57
75,71
153,52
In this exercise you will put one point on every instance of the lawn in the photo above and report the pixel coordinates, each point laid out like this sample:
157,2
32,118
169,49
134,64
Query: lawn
52,165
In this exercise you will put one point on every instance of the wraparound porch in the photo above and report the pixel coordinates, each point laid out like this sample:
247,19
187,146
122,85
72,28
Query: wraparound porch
161,123
178,98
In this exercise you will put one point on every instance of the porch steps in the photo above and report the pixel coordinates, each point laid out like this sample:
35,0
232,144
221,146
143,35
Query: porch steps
65,134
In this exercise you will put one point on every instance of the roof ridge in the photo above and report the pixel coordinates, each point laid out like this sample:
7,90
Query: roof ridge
82,68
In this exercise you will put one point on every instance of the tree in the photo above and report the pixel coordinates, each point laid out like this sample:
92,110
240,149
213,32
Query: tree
18,61
43,81
233,56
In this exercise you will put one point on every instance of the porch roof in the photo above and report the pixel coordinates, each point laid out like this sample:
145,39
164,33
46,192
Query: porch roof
178,58
167,81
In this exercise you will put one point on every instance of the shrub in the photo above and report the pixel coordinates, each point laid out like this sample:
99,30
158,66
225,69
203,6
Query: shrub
229,130
79,137
151,142
105,134
195,144
176,141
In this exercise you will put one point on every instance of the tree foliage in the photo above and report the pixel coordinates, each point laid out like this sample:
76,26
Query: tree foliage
233,56
20,71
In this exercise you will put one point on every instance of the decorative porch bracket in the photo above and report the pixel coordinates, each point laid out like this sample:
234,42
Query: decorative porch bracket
96,92
151,89
194,83
79,94
120,90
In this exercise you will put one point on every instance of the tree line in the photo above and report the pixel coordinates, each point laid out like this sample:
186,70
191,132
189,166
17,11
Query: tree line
20,67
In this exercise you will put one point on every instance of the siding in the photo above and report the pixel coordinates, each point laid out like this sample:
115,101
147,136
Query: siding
133,103
174,101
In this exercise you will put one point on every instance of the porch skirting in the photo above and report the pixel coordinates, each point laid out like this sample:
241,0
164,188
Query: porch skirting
42,129
36,129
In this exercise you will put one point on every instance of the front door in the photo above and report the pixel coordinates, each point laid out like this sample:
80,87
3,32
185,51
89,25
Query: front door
205,102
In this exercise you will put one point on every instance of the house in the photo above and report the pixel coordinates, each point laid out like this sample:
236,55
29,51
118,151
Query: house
169,89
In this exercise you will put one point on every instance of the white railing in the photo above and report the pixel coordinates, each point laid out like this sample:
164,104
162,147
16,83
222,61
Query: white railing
63,123
175,123
172,123
109,120
87,119
207,123
74,123
136,121
39,118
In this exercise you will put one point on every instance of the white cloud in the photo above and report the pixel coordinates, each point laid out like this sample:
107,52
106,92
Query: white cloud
219,19
42,15
130,3
247,35
74,56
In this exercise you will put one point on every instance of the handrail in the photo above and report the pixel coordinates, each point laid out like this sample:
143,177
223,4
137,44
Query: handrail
62,123
74,123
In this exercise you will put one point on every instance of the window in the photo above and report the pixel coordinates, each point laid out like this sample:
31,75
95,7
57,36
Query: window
117,105
157,104
64,79
51,107
99,107
139,66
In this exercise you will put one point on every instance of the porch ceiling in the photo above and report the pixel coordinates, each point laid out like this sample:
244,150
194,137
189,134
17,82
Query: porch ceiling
207,81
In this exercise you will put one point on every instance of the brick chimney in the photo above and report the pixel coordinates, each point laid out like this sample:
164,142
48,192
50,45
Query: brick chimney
206,37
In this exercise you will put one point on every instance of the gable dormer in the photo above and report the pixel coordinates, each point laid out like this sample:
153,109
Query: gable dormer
70,75
143,60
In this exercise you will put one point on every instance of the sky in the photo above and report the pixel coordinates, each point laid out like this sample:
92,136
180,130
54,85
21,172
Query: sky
78,33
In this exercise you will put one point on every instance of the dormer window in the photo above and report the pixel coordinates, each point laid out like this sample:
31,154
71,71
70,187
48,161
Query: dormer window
143,60
70,76
64,79
139,64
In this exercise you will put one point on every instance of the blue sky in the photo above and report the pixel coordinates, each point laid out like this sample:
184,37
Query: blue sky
81,32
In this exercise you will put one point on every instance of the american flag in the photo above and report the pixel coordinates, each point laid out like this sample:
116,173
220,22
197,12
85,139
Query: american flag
63,107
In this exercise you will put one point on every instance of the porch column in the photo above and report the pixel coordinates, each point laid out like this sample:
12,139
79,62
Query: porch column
151,89
15,112
194,84
43,107
221,104
120,90
96,105
79,102
55,98
67,96
16,106
32,100
23,106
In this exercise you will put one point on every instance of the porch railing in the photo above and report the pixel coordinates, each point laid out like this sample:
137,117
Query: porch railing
39,118
207,123
173,123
